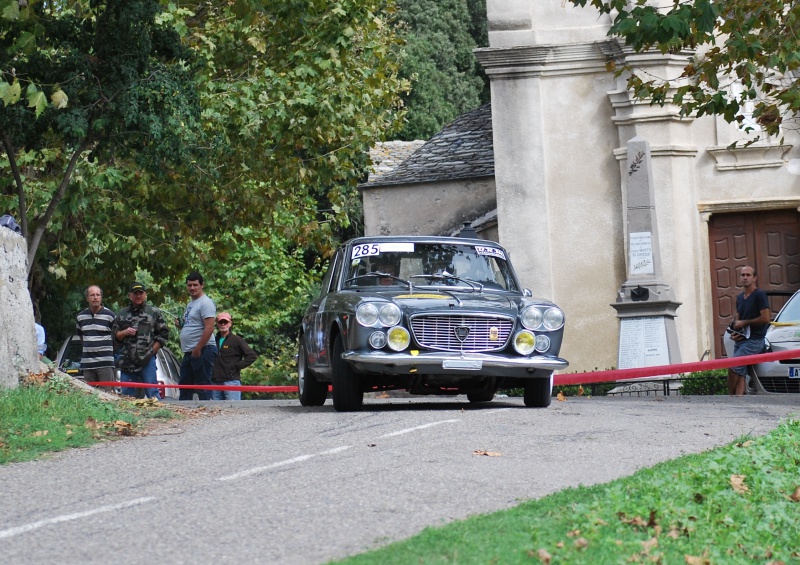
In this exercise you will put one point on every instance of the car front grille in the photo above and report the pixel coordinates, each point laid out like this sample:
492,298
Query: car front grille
446,332
780,384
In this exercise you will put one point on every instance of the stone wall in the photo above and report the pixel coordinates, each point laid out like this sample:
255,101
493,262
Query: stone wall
18,335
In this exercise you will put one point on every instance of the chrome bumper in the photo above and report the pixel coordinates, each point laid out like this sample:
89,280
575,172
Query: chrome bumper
445,361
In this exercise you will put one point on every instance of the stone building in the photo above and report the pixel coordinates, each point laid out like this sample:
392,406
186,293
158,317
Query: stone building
568,209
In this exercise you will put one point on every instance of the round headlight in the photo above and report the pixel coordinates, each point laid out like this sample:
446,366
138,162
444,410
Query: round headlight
398,338
367,314
542,343
553,318
524,342
531,318
377,340
390,314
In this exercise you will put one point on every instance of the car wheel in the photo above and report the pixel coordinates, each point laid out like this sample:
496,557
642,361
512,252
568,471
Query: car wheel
483,396
538,392
311,392
347,393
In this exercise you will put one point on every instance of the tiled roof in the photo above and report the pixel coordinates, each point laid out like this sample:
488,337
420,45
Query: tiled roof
462,150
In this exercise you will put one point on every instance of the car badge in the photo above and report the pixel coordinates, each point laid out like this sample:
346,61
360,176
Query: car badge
494,334
462,332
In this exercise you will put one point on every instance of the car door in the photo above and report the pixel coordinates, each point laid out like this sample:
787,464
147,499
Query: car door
316,337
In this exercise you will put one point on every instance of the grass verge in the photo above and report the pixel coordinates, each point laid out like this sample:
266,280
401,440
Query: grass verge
48,414
735,504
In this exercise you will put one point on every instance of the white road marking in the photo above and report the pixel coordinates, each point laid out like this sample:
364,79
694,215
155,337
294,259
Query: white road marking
68,517
414,429
256,470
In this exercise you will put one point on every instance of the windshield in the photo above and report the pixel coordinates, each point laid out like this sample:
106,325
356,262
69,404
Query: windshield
791,311
429,264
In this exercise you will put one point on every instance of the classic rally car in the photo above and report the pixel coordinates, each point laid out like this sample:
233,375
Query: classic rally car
430,315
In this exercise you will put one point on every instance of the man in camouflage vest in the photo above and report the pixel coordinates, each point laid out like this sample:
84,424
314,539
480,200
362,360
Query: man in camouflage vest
142,331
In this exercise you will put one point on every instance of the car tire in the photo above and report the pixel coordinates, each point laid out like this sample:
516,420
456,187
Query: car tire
538,392
483,396
347,393
311,392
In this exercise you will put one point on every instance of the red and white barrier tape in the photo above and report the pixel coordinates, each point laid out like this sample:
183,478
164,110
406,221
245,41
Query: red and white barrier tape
558,380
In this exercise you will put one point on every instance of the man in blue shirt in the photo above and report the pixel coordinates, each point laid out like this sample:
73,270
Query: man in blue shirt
748,328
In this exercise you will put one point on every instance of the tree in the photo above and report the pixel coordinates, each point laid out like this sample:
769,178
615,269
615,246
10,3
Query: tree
741,52
440,61
273,107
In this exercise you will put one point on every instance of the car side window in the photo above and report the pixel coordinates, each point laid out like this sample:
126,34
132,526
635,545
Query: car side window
336,266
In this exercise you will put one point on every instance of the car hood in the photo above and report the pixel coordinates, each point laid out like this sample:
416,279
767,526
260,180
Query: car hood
455,301
784,337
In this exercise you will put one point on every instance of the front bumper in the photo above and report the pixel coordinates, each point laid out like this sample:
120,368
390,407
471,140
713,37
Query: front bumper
447,363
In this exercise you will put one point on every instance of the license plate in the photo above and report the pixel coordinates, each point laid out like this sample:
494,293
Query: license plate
794,372
469,364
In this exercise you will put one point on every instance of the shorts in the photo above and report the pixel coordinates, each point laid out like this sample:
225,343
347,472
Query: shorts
752,346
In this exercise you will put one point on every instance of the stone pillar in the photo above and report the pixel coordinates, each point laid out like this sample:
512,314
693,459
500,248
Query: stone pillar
18,353
646,304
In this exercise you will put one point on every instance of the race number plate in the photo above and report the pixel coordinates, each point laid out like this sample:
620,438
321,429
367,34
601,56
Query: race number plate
794,372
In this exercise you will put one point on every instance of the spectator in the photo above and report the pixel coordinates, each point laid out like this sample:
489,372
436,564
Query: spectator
197,340
142,331
234,355
748,328
41,340
93,327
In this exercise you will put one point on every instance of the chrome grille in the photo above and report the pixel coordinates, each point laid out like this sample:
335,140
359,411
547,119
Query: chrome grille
486,333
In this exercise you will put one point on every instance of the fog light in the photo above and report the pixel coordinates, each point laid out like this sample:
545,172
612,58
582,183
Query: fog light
524,342
377,340
542,343
399,338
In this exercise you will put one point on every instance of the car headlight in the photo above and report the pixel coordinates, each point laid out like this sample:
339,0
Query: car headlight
390,314
531,317
367,314
524,342
377,340
398,338
542,343
553,318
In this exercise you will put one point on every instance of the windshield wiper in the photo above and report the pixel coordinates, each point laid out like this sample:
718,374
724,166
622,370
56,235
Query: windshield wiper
446,277
381,275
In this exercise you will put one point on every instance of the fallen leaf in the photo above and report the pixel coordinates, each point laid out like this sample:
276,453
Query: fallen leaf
561,397
651,520
573,533
543,556
674,533
487,453
40,433
69,432
694,560
795,496
560,545
648,545
92,424
737,482
581,543
748,443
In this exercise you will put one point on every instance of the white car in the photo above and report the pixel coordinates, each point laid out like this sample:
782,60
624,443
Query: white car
168,368
779,377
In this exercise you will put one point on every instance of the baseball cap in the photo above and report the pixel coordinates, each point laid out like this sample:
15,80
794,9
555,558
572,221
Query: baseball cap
224,316
137,286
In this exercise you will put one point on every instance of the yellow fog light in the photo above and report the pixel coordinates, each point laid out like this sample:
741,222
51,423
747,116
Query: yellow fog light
524,342
398,338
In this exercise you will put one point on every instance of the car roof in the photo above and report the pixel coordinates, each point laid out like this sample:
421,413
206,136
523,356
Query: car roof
422,239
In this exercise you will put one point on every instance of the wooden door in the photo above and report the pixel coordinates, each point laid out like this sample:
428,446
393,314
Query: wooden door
770,242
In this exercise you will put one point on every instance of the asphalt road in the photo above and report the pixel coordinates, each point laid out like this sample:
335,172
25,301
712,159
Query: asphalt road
273,482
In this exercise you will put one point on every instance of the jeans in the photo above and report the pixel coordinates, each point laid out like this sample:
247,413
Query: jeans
227,394
197,371
146,374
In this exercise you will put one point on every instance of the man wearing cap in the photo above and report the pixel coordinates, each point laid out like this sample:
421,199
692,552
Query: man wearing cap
142,331
234,355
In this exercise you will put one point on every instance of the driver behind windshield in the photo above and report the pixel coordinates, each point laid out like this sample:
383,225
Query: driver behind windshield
385,266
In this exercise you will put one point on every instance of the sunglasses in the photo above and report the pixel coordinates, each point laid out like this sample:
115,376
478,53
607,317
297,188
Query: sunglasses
223,322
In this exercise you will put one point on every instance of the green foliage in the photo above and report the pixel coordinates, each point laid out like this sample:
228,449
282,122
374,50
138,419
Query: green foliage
750,42
735,504
705,382
440,38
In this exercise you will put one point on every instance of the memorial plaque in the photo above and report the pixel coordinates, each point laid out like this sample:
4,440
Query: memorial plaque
643,342
641,249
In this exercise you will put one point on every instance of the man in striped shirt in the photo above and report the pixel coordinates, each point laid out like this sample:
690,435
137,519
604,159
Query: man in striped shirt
94,329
